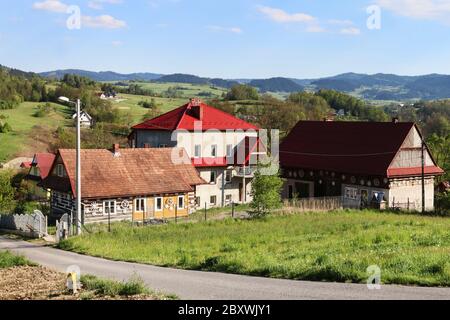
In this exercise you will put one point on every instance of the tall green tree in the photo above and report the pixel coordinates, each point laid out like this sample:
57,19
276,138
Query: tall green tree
266,193
6,191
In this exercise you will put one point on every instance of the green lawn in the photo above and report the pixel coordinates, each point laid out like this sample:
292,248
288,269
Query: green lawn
130,104
29,130
336,246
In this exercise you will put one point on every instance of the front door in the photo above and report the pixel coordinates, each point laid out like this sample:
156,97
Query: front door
364,199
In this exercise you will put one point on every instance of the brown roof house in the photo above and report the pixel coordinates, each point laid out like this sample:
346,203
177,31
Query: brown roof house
122,184
365,163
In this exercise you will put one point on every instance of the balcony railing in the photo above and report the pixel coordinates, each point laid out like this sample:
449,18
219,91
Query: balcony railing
247,172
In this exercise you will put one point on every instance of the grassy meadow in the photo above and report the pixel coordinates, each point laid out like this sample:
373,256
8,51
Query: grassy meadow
29,133
129,104
336,246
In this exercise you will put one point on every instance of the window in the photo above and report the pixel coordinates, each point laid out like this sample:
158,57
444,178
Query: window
351,193
198,201
198,151
163,145
60,170
158,204
109,207
228,176
229,150
228,198
139,205
213,200
214,150
213,176
181,203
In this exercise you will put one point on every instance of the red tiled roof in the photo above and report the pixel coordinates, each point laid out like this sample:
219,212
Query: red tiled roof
135,172
25,165
44,162
352,147
406,172
184,118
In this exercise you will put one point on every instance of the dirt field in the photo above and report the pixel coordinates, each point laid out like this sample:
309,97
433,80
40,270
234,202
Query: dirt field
38,283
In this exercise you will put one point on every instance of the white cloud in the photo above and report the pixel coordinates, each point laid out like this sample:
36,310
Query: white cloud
218,28
281,16
353,31
419,9
103,21
51,5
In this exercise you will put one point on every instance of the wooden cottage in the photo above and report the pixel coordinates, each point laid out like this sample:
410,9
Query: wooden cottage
365,163
138,184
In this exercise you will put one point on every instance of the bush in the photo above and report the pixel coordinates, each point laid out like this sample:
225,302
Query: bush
8,260
266,193
6,191
5,127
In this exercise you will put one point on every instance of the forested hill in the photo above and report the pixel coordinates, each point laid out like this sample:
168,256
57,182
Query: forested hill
371,87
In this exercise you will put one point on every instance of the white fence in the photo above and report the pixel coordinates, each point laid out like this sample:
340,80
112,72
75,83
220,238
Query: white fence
30,225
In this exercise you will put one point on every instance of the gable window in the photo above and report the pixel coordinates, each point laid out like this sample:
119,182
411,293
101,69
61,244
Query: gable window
213,200
229,150
109,207
228,176
214,150
180,202
198,151
60,170
159,204
139,205
213,177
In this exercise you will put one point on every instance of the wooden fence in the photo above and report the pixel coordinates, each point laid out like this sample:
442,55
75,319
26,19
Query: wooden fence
315,204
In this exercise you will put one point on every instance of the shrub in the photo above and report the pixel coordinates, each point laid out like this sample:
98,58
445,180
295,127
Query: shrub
266,194
113,288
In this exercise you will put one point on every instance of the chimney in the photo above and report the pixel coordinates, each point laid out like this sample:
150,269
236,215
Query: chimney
196,108
395,120
116,150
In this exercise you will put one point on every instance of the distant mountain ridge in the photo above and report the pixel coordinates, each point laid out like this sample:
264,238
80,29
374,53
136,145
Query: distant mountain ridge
102,75
372,87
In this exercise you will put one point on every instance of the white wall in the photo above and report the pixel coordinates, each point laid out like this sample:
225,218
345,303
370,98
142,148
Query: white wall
411,189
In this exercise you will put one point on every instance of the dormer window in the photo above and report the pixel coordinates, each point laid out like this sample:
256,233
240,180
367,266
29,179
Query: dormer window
60,170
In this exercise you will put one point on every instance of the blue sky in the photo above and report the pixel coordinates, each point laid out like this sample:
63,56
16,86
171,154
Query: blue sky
228,38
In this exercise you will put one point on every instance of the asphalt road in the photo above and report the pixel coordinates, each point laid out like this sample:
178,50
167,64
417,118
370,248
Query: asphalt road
195,285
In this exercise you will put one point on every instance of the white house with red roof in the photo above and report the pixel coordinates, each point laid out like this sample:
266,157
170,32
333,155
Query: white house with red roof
222,148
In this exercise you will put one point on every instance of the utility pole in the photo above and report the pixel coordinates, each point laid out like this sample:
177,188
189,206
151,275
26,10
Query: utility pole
78,162
78,178
423,176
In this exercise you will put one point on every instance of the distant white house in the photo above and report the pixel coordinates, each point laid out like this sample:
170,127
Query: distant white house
85,119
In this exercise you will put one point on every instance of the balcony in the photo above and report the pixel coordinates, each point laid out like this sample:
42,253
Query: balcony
247,172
